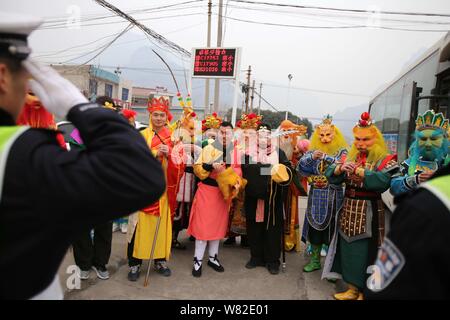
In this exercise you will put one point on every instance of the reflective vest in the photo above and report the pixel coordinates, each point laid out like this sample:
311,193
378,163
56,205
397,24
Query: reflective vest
8,135
440,187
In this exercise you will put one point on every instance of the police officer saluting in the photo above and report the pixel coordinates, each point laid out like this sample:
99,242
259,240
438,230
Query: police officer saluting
48,195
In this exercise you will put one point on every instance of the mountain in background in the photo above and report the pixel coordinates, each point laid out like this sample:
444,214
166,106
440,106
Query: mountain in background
133,54
347,118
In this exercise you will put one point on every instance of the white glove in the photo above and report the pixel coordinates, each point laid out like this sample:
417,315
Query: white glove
57,94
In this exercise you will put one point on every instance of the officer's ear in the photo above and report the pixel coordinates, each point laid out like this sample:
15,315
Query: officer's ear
4,74
8,69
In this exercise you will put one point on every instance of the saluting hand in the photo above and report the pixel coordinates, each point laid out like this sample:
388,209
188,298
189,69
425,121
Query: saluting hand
58,95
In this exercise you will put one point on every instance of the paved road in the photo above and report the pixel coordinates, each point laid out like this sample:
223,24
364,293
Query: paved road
236,282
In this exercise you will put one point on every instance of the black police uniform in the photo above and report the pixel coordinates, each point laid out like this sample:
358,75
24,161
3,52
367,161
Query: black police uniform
50,196
417,249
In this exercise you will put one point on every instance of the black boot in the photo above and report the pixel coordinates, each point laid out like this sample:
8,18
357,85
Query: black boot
273,267
197,273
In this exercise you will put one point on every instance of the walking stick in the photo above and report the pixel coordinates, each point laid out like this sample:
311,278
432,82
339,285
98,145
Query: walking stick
153,251
283,243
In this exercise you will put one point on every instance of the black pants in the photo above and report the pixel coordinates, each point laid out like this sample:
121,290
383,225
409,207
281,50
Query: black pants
93,252
132,261
183,222
318,238
265,244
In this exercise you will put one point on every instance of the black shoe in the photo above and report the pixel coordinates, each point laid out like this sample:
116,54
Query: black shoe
274,268
197,273
133,275
216,267
252,264
162,268
230,241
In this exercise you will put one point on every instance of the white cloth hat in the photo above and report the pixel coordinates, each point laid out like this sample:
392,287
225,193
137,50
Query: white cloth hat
14,30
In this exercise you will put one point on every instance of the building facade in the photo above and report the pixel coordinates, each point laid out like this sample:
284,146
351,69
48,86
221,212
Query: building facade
94,82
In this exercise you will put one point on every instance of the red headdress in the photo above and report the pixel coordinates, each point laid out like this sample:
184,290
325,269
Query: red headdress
365,121
35,115
160,104
129,114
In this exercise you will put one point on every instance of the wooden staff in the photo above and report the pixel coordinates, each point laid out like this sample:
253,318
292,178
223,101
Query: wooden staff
155,237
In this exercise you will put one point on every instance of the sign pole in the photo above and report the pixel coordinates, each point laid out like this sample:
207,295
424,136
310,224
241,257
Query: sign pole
237,67
208,44
219,44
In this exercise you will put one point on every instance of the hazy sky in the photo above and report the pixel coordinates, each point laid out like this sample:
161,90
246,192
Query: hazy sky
350,61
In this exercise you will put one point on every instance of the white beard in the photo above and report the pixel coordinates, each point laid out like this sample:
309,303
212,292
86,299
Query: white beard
286,146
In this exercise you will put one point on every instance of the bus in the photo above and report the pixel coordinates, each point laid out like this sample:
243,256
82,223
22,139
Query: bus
424,85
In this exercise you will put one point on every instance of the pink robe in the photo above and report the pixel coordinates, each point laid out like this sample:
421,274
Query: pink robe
210,212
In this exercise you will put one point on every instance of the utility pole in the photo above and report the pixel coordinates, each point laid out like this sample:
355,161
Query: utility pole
247,93
219,44
259,104
252,96
208,44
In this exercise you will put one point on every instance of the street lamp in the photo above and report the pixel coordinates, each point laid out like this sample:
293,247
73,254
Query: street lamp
118,71
290,76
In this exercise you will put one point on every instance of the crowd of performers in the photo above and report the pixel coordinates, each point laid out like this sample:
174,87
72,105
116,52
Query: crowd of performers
247,181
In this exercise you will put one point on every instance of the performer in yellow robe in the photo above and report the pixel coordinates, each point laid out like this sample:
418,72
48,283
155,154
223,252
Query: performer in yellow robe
143,225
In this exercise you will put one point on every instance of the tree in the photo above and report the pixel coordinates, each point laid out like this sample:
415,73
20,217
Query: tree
275,118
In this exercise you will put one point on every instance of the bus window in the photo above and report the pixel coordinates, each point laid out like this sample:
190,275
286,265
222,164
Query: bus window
425,76
391,118
377,109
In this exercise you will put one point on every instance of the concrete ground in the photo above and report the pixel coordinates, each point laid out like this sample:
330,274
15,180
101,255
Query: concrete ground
236,282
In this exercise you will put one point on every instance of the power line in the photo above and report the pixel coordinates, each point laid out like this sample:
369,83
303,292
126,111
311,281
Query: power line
343,10
52,53
318,90
147,30
263,99
102,49
302,117
56,53
64,26
333,27
315,14
63,23
88,17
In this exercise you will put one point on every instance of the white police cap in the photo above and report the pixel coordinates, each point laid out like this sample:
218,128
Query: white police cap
14,30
